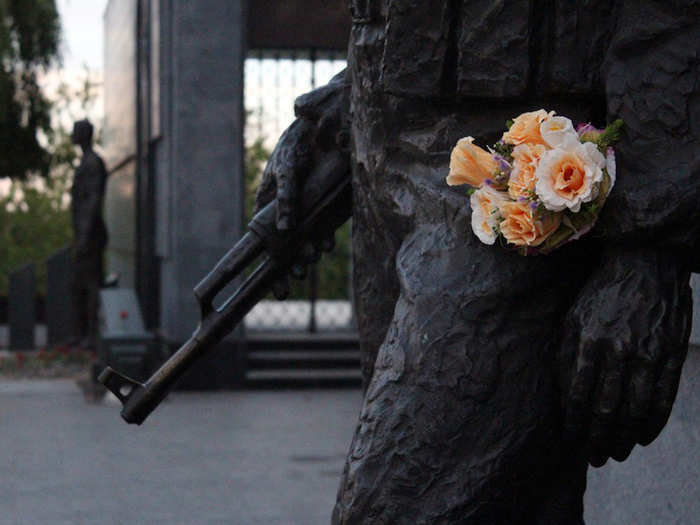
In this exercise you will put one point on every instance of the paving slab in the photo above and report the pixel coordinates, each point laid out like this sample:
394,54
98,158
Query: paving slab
262,457
212,458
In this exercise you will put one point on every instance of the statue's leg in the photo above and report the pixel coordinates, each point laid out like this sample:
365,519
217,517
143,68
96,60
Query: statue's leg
461,421
375,284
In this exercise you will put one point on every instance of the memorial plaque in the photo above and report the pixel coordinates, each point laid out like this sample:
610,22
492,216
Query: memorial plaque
22,315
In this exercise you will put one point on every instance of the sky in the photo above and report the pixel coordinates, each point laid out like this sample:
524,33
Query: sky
82,45
82,33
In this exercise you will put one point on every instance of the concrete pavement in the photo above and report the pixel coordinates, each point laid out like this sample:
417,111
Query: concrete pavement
270,458
261,457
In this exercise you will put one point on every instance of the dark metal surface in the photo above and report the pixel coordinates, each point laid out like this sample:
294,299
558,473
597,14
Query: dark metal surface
89,234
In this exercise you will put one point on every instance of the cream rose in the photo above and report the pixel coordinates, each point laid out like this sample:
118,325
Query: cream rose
486,203
557,130
522,227
470,164
526,158
526,128
568,177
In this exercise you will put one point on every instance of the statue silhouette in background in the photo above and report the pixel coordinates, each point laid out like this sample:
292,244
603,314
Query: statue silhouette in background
493,380
90,235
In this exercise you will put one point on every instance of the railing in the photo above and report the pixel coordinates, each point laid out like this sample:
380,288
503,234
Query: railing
290,316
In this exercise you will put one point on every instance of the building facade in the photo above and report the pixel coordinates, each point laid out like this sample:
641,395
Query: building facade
174,135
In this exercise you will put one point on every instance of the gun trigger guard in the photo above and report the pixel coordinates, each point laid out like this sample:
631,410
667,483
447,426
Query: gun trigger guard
120,385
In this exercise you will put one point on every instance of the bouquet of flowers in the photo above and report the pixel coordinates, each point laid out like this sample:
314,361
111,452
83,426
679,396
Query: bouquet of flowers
542,185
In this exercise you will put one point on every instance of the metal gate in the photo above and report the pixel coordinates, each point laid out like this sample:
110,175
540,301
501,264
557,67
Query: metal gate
273,80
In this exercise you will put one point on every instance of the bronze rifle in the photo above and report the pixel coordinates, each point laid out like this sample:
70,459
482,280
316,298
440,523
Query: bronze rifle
326,204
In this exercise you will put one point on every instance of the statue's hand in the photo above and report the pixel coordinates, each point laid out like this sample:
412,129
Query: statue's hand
625,343
321,129
322,125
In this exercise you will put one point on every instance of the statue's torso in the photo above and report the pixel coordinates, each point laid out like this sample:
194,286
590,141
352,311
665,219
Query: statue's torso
492,49
425,74
423,77
428,72
87,194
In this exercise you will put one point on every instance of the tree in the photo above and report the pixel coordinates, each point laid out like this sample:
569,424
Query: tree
29,36
35,216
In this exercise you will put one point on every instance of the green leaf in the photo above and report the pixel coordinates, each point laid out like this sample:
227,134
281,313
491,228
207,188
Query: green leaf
611,134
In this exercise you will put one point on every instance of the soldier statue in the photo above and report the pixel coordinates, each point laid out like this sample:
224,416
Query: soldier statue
90,236
492,380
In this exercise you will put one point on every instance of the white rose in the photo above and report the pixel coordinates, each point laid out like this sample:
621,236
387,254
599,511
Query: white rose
558,130
569,176
486,203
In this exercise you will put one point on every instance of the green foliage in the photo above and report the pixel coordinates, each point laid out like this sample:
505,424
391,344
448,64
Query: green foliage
611,134
256,156
29,35
504,150
34,222
35,218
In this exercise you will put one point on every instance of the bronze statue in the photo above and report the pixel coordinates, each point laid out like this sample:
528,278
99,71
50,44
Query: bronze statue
492,379
90,235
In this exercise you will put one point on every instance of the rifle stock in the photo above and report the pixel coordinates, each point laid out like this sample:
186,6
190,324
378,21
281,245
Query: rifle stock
326,204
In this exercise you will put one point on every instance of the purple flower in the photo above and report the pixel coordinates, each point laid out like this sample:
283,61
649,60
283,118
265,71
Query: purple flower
503,164
522,199
488,182
587,128
533,205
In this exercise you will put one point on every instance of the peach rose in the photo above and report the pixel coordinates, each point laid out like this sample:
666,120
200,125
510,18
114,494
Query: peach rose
526,128
470,164
521,226
486,203
526,158
566,178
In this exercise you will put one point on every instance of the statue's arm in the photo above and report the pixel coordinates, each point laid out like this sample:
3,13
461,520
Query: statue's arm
627,333
652,80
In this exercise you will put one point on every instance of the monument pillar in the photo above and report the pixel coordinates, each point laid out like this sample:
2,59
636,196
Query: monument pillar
198,159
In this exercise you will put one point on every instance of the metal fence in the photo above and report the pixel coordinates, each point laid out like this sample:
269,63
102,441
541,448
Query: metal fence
274,316
273,80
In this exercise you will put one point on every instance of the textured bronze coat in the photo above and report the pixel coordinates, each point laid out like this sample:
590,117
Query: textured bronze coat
469,349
